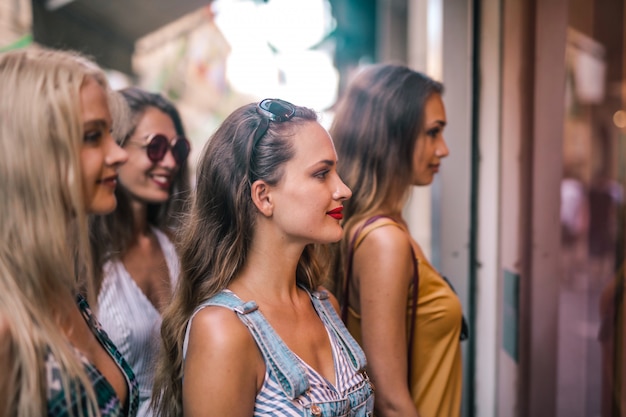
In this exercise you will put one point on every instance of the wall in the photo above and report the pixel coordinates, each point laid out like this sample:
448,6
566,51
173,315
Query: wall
488,289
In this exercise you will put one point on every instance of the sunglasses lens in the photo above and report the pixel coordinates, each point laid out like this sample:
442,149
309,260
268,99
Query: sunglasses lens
180,150
277,110
157,148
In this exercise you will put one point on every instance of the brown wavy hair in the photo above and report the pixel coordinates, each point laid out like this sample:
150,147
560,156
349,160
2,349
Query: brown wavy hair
216,236
375,128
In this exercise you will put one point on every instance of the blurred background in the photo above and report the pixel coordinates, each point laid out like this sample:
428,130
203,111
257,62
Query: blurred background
526,218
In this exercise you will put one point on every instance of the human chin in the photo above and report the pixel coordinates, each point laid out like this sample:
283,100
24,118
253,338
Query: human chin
336,235
424,179
102,204
154,196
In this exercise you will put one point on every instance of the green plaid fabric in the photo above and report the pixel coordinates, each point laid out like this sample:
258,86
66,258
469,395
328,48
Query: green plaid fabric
62,399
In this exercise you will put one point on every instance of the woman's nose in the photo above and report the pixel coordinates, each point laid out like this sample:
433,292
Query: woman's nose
342,192
115,154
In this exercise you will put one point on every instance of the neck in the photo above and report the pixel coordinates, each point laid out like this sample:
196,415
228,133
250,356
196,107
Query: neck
269,273
62,310
140,217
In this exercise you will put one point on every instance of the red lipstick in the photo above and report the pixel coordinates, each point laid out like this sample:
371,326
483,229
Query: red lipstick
336,213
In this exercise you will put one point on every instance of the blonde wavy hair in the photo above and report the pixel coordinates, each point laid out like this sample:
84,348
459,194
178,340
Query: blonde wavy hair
43,227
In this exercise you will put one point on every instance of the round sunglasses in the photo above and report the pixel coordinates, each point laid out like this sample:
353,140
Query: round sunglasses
157,145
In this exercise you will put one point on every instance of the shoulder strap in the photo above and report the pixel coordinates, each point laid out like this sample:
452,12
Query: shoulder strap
332,321
288,370
356,240
415,292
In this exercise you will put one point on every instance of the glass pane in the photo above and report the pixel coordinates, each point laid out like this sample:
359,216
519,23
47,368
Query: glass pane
592,337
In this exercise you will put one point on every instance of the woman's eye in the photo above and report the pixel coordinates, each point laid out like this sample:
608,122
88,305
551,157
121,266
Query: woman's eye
321,174
433,133
92,136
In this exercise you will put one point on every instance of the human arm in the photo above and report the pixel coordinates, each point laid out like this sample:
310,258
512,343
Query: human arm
383,266
223,369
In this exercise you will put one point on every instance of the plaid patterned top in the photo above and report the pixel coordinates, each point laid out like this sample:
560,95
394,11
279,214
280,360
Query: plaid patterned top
108,402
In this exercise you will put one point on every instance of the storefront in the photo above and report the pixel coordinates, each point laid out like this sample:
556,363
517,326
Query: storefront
527,217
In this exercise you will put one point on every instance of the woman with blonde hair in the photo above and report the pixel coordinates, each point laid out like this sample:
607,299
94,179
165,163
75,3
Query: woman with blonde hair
250,332
58,162
388,129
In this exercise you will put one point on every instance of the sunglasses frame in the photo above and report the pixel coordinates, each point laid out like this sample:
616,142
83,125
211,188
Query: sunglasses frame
150,144
273,110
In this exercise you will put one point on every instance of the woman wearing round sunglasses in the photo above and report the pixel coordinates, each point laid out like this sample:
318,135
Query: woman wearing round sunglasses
136,262
250,332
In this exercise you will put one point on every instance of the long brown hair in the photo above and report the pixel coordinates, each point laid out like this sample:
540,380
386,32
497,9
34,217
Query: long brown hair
375,129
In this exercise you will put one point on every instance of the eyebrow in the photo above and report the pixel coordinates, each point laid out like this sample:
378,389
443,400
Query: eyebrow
325,162
101,123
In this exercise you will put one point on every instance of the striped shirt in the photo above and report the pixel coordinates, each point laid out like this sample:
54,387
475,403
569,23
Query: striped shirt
131,320
271,401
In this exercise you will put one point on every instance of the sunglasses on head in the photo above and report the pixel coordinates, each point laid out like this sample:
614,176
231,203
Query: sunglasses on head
273,110
158,144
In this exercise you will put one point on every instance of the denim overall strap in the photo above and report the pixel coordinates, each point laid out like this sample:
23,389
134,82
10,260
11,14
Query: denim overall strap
283,363
328,314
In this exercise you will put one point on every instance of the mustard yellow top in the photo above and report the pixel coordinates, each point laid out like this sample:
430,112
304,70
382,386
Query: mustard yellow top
437,369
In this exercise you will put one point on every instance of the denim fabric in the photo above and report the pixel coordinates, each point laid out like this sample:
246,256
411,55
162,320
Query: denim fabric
287,368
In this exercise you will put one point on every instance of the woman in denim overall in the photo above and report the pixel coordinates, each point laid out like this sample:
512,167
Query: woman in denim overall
250,331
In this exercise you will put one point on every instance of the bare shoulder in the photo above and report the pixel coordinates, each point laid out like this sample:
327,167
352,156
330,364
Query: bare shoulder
388,241
219,329
217,336
223,368
384,261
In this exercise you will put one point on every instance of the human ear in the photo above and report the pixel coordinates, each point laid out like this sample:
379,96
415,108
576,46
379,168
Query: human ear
262,197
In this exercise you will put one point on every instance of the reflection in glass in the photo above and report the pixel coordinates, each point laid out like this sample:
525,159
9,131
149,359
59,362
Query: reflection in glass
592,348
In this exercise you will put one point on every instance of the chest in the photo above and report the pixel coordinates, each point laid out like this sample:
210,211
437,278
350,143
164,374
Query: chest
305,334
147,266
